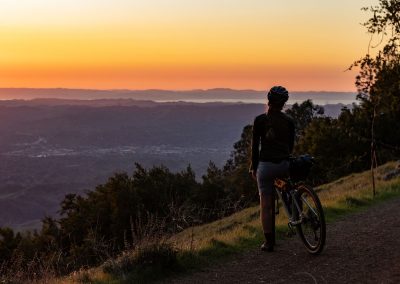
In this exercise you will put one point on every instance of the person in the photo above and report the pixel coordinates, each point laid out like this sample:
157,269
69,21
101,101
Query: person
274,131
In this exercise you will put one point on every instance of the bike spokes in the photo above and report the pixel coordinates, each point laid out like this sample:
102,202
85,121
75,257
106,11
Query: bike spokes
312,223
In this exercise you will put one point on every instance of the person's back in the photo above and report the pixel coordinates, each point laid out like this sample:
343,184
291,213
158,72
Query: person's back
274,131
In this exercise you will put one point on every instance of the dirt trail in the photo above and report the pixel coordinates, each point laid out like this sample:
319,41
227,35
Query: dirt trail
360,248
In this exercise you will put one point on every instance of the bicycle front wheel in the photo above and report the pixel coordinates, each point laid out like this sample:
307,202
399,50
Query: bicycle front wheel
312,229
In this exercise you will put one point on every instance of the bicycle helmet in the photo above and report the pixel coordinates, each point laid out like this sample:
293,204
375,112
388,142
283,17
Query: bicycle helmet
278,95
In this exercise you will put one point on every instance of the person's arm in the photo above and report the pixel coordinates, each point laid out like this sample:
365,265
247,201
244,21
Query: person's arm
255,148
292,133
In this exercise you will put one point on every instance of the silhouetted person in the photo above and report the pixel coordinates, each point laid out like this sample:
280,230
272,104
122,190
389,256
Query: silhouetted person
274,132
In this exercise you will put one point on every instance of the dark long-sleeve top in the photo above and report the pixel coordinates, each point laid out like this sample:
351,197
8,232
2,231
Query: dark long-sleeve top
275,132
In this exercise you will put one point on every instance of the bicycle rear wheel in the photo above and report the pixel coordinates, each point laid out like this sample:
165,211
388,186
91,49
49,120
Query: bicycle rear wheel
312,229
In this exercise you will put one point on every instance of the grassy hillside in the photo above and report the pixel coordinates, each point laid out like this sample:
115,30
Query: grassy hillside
203,245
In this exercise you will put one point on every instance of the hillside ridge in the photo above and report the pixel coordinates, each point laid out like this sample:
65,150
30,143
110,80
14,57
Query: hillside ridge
239,235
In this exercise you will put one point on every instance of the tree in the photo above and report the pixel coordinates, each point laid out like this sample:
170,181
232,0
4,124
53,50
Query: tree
339,145
212,188
303,114
379,76
239,183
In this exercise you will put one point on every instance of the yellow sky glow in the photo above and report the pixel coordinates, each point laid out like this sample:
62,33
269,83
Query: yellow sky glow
180,44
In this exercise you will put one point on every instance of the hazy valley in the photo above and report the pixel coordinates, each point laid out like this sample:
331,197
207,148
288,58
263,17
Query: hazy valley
50,147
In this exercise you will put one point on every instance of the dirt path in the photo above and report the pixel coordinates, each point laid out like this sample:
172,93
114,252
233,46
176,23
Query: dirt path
361,248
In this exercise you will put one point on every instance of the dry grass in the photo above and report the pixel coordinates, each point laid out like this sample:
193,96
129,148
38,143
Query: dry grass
92,275
241,224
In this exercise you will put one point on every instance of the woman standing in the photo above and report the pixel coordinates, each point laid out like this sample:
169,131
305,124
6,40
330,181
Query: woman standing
272,145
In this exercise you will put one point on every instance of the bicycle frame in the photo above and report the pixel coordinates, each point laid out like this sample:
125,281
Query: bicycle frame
304,212
281,185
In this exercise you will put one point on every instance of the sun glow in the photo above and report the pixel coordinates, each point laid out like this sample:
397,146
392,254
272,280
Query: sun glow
179,44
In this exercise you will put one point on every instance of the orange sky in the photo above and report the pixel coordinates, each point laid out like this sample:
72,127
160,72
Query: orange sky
179,44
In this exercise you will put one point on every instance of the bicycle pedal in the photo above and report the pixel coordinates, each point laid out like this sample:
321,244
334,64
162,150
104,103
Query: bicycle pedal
291,232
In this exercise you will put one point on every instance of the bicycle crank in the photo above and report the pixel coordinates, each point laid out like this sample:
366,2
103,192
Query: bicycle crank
291,231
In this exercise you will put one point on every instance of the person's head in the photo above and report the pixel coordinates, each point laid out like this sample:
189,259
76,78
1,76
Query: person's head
277,97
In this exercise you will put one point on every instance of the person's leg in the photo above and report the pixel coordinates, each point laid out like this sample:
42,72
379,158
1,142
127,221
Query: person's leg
266,174
267,212
272,200
267,215
267,205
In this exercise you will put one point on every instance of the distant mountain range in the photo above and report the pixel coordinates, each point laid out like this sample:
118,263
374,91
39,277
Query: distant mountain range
168,95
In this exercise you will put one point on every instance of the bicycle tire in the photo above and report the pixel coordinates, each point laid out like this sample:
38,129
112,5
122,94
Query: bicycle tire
310,220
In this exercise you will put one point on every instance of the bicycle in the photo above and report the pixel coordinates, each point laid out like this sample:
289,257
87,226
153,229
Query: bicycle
302,205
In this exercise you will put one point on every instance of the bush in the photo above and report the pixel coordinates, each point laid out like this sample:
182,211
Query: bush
159,256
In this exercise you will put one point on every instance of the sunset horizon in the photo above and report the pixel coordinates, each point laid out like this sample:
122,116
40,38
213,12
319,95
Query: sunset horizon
177,45
177,89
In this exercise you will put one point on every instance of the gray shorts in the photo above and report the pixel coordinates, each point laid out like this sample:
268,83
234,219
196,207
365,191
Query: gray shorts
267,172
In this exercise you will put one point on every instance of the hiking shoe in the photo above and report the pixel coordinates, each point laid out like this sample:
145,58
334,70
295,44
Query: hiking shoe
267,247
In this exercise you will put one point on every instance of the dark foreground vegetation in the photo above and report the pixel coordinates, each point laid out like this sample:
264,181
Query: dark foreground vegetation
150,204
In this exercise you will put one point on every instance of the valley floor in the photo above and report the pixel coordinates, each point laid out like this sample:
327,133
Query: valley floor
363,247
